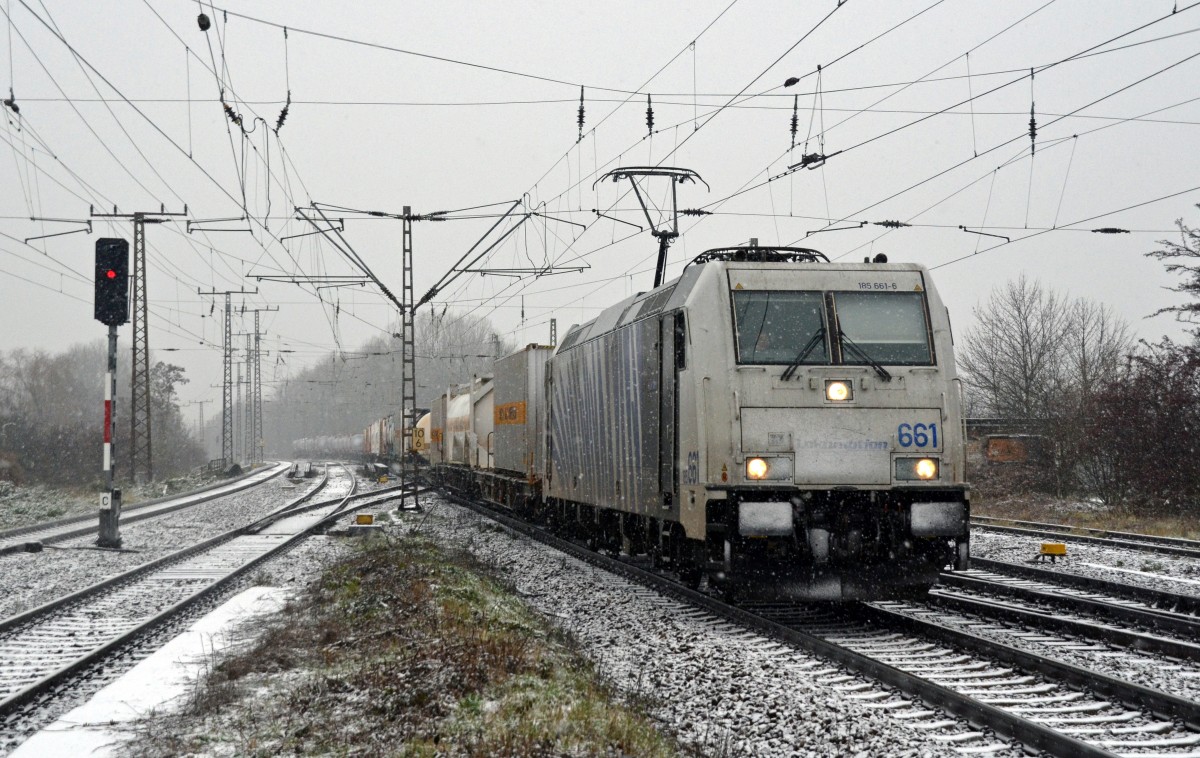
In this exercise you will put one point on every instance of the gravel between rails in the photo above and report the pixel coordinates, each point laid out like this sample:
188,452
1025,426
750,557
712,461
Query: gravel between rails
34,578
1154,571
722,690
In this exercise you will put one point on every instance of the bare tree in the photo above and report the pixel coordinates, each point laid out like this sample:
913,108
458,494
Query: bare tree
1143,430
50,407
1095,350
1012,361
1038,359
1183,258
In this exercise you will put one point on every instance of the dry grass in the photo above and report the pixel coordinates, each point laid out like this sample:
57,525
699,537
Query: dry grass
404,650
1047,509
1006,493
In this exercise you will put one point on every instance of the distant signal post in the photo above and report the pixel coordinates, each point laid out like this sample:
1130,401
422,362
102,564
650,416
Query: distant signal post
111,309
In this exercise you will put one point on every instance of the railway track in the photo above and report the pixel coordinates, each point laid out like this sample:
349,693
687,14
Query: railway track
1128,540
20,539
1106,617
1035,702
1088,713
1078,584
44,652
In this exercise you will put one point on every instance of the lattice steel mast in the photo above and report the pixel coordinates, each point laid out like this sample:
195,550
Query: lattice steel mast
256,426
408,380
227,375
248,404
227,389
256,455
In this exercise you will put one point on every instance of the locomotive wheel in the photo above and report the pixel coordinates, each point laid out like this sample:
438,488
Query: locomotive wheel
690,576
686,557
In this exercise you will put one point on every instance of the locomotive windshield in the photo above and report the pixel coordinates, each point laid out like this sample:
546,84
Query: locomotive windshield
789,328
775,327
888,326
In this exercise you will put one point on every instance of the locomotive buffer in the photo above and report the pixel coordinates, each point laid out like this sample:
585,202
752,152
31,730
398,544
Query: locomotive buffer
111,309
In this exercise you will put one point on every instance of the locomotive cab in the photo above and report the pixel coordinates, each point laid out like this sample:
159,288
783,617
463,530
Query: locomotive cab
828,453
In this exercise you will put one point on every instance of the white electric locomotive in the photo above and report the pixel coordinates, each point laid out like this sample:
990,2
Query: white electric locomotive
788,426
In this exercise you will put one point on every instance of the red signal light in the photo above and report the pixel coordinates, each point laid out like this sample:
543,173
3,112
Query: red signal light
111,274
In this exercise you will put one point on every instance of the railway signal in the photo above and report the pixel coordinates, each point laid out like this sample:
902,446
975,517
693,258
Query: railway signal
111,308
112,281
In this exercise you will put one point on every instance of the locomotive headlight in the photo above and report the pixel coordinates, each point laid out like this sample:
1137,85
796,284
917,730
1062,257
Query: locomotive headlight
917,469
757,468
926,468
768,469
838,390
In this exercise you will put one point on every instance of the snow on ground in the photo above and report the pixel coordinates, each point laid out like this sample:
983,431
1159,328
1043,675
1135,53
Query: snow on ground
165,679
1144,569
302,564
722,690
35,503
32,579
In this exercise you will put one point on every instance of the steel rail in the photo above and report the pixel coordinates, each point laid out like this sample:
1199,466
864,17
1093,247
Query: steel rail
1092,531
1126,544
1031,734
1173,601
23,697
1106,608
295,507
134,573
132,514
1038,617
19,530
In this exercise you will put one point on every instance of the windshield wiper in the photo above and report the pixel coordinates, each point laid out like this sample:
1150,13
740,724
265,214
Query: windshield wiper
817,338
862,356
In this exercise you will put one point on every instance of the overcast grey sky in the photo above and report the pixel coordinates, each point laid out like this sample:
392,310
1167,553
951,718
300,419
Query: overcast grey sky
375,128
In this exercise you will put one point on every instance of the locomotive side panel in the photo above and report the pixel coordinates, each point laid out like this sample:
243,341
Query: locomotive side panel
604,428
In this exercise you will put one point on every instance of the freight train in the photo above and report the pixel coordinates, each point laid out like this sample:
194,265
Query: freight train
380,443
788,427
347,446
